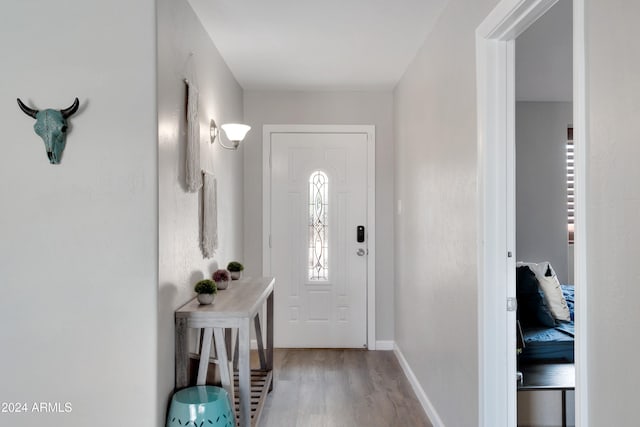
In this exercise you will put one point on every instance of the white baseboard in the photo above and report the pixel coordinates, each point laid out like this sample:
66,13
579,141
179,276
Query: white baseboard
380,345
417,388
385,345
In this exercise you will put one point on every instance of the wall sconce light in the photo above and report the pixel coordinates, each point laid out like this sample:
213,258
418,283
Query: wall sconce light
234,132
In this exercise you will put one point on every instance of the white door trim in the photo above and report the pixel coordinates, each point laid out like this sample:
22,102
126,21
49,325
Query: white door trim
495,68
369,130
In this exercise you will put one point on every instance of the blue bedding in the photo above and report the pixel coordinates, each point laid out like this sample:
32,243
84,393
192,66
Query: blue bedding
567,291
551,344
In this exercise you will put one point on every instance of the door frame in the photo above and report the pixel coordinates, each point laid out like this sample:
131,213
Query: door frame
495,78
369,130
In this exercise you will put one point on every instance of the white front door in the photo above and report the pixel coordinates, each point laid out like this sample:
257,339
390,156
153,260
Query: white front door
318,238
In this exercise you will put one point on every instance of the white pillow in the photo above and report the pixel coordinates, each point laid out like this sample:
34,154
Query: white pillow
553,296
539,268
551,289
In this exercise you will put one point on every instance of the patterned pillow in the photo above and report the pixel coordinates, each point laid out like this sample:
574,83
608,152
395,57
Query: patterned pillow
550,286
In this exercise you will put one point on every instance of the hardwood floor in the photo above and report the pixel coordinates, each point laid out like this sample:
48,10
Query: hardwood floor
340,388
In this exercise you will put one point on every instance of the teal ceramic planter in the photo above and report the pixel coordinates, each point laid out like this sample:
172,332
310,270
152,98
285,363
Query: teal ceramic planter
200,406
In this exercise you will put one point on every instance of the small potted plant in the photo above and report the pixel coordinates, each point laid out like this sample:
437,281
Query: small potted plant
206,290
235,268
221,277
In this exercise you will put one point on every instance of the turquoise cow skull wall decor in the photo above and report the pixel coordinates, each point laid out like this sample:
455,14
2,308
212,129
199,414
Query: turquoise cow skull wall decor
51,125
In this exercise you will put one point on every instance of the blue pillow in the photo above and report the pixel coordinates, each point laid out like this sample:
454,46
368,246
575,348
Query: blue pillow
532,309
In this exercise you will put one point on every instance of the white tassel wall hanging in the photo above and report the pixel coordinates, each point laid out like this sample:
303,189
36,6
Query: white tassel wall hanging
192,170
210,216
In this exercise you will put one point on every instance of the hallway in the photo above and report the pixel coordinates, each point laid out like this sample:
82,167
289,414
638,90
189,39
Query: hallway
340,388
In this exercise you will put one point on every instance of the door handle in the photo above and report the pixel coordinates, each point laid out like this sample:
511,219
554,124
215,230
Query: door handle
361,252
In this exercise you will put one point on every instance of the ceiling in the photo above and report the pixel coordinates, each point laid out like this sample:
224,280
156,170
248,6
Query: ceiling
318,45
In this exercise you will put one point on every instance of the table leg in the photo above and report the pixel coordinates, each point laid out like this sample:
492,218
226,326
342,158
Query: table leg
228,333
235,352
205,352
244,372
269,355
256,321
182,354
224,366
564,408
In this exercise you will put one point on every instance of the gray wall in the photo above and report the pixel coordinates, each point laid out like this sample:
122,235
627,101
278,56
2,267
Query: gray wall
541,194
78,252
362,108
220,97
613,205
436,231
544,56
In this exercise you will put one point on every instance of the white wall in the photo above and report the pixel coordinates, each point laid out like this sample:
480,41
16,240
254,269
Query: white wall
362,108
78,253
436,275
541,176
613,206
181,261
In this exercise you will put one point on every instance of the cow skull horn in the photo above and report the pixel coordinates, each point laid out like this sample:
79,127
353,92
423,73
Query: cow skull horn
28,111
51,126
68,112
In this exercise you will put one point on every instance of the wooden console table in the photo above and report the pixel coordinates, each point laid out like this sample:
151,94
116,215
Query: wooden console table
234,307
549,376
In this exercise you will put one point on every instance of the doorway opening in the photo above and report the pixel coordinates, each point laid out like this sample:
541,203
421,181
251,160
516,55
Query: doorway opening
495,47
545,209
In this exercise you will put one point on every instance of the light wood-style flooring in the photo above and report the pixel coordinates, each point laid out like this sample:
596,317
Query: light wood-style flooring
340,388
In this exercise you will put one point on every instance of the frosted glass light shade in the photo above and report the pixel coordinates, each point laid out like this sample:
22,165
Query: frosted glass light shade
235,132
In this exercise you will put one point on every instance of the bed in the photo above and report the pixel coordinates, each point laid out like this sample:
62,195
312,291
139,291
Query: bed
545,315
551,344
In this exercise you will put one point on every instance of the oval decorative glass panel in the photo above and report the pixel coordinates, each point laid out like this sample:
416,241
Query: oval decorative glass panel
318,216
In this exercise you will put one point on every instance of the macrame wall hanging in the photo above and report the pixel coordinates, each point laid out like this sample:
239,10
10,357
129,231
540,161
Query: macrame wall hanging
192,171
210,216
193,177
